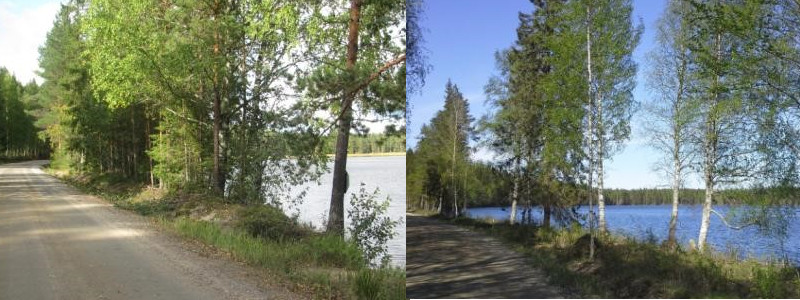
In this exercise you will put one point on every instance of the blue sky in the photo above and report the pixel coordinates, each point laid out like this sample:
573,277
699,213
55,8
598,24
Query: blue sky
23,28
462,37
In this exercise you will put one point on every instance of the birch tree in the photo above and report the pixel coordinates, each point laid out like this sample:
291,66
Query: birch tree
611,38
671,109
721,44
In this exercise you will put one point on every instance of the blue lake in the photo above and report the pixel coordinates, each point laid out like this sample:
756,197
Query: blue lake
641,221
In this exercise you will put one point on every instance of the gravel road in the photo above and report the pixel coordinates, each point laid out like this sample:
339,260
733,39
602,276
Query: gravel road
446,261
57,243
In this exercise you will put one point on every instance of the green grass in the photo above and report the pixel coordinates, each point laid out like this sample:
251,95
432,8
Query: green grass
627,268
327,264
317,265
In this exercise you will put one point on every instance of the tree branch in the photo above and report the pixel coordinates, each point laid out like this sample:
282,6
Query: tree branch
365,83
729,225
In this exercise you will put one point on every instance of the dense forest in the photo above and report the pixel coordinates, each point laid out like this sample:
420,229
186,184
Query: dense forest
19,135
724,80
234,99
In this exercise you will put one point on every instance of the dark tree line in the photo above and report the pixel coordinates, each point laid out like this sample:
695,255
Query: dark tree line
370,143
19,136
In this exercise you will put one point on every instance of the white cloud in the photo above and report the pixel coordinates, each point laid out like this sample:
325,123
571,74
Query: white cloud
23,28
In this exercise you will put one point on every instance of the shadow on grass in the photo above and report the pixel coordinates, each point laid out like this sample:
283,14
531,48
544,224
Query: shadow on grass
625,268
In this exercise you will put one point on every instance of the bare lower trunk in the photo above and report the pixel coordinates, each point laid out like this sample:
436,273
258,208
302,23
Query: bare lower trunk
512,218
601,203
439,205
673,220
336,213
514,195
701,240
464,207
455,206
148,146
546,218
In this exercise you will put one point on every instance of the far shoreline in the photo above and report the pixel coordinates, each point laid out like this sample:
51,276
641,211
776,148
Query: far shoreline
377,154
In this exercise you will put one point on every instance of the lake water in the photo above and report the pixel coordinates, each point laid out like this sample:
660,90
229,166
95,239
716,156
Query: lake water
387,173
640,221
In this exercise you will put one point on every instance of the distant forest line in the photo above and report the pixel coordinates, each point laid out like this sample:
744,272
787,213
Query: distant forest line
663,196
390,141
487,184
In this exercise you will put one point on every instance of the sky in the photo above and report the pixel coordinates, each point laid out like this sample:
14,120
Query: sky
23,28
461,37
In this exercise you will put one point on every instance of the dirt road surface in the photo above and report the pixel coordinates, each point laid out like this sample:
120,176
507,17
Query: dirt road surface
445,261
56,243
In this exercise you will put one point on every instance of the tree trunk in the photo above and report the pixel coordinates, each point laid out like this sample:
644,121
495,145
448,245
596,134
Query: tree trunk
591,128
601,203
218,182
336,213
514,194
701,240
710,149
453,166
464,207
673,220
548,210
148,146
677,139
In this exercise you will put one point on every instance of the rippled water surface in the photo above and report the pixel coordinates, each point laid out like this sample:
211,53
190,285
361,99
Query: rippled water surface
387,173
640,221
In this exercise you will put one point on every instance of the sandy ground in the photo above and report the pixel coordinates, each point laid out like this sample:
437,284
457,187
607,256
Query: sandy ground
56,243
445,261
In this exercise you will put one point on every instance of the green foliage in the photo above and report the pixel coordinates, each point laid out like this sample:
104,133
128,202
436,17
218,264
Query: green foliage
439,167
269,222
142,89
19,137
369,228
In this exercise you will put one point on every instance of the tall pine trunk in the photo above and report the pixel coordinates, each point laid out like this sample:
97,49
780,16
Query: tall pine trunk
336,213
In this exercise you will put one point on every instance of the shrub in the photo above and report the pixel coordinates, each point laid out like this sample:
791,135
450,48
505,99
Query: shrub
369,228
269,222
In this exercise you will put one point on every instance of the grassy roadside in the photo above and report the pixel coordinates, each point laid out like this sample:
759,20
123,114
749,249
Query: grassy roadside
627,268
314,264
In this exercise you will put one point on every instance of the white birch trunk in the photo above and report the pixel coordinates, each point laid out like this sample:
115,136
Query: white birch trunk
453,167
591,129
514,195
710,147
601,203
